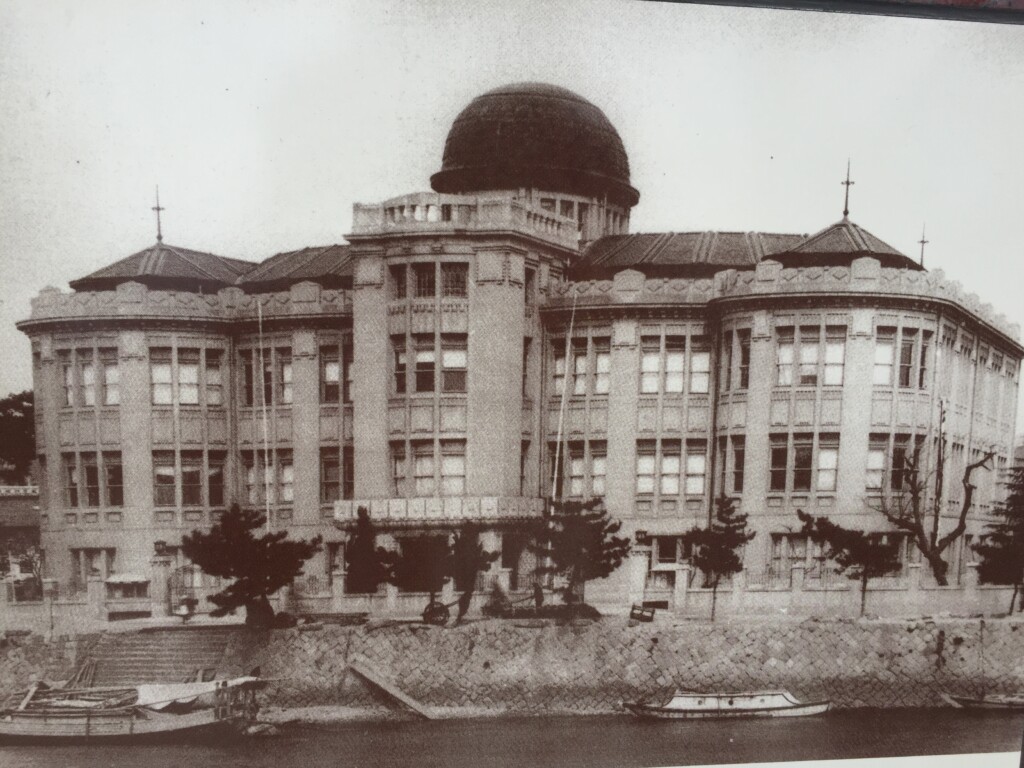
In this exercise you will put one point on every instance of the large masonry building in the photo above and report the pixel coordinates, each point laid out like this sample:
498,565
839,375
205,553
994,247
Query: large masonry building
432,368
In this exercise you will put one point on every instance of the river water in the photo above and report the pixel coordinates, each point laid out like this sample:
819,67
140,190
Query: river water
566,741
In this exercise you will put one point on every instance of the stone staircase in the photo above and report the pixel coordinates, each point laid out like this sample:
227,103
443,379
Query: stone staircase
156,656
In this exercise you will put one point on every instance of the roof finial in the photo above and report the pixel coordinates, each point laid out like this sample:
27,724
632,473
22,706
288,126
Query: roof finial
157,208
923,242
847,184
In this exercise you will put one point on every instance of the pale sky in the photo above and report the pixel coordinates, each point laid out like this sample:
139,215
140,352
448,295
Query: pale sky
263,122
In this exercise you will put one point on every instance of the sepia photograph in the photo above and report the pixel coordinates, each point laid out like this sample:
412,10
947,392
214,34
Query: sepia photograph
599,383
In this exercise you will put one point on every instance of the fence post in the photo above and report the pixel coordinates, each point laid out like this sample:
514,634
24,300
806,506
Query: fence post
682,587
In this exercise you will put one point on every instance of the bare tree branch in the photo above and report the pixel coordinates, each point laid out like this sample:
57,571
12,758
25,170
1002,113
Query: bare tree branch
965,506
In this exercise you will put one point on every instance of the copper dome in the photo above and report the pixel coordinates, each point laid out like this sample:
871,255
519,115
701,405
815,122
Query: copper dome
538,136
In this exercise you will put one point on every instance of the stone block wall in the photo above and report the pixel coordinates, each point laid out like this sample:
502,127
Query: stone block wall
28,658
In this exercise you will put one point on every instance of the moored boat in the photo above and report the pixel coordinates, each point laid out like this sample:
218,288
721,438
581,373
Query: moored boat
141,714
990,701
689,705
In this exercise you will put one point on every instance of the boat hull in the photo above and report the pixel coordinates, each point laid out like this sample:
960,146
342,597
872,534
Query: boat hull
119,728
668,713
994,702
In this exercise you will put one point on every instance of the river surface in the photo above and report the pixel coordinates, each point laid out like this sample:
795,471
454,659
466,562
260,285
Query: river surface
566,741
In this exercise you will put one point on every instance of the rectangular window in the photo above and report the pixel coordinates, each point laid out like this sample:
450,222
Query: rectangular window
68,377
215,477
885,348
398,281
559,368
675,356
192,478
248,374
905,454
398,352
725,362
398,469
779,462
650,364
426,359
671,467
163,479
579,366
526,367
87,374
876,462
285,477
738,462
188,376
602,365
743,336
250,473
423,469
803,454
214,377
160,376
91,472
348,472
424,281
267,375
113,479
111,377
598,467
455,280
70,470
908,344
348,368
835,355
524,449
330,475
700,372
284,368
453,467
696,467
810,340
828,463
926,345
576,469
646,455
784,357
530,287
453,362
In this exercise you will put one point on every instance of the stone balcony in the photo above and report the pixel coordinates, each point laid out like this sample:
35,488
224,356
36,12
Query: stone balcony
441,511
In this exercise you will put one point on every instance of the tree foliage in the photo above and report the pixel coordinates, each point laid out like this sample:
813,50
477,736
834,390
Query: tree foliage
916,506
424,564
1002,548
857,554
367,565
716,547
579,544
257,566
468,560
17,437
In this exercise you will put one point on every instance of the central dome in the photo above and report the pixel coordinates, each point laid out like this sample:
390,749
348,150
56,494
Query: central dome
538,136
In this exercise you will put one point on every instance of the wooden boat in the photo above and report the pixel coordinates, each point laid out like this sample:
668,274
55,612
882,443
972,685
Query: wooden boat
990,701
690,705
141,714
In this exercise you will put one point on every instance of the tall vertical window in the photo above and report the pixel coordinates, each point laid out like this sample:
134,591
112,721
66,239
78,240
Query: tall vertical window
809,343
876,462
69,462
784,357
426,361
250,478
743,337
524,448
559,371
654,360
398,469
577,469
530,287
526,366
646,458
725,362
650,364
248,377
885,348
285,477
348,362
113,479
738,463
828,463
188,376
87,370
423,281
399,355
192,478
330,374
908,345
671,467
675,356
423,468
214,377
453,467
284,373
598,467
163,479
454,280
68,378
91,473
803,460
700,372
398,281
579,366
160,376
779,462
453,362
602,365
215,477
330,475
835,354
926,343
111,377
267,375
696,467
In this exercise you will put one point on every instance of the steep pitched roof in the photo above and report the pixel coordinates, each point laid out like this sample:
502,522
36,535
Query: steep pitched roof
841,242
167,266
679,253
329,265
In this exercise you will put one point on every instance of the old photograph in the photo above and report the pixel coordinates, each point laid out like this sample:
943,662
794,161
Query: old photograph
590,383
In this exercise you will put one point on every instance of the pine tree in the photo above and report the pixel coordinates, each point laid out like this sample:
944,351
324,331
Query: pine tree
859,555
257,566
467,561
716,548
579,543
1002,548
367,565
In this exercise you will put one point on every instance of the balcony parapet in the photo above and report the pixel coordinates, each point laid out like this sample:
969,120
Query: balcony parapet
435,213
452,510
136,301
863,276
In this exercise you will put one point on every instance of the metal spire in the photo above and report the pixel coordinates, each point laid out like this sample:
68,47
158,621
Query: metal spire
847,184
157,208
923,242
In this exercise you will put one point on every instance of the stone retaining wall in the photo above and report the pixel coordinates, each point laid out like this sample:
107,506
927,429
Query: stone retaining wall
27,658
504,666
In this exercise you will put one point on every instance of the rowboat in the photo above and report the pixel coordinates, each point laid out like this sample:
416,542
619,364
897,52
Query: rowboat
990,701
143,713
690,705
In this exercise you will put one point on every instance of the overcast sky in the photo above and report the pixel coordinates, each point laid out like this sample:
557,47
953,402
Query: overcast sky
263,122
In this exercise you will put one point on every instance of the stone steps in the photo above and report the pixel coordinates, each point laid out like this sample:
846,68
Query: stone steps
162,656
